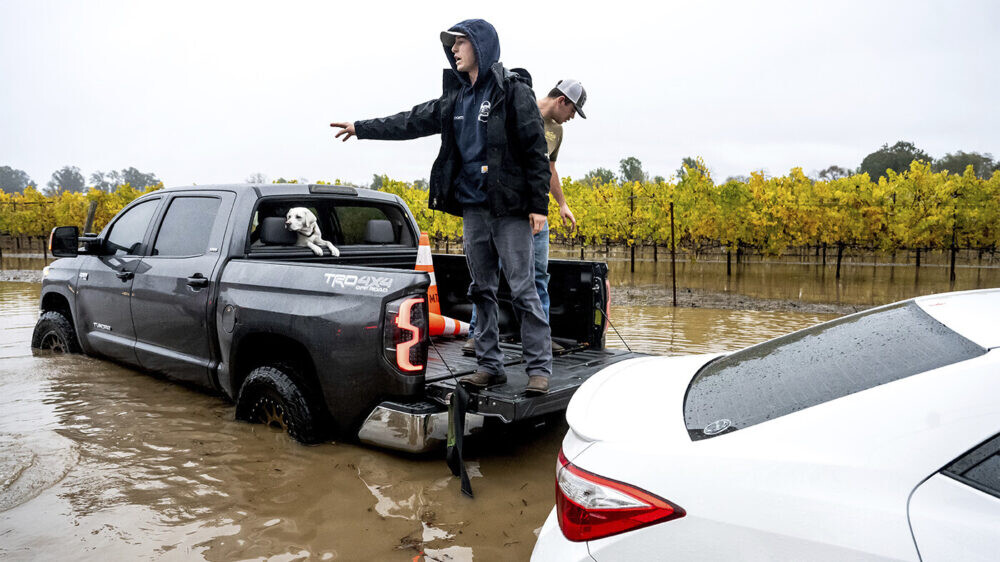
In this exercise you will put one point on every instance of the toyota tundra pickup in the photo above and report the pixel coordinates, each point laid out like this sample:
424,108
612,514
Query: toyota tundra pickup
205,285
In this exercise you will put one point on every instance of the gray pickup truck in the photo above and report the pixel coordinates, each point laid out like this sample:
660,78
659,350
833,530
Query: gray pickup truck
205,286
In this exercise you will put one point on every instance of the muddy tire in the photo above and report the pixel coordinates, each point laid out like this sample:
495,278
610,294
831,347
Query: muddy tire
54,332
270,396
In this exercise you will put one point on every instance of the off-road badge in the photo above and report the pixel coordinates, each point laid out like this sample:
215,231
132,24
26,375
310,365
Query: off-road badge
364,283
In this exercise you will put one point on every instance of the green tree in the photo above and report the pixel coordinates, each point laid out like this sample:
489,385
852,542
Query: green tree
599,176
982,164
834,172
67,179
687,162
109,181
14,181
631,170
896,158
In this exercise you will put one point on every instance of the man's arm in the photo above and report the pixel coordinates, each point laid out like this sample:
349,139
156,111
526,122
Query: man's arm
531,139
421,121
555,188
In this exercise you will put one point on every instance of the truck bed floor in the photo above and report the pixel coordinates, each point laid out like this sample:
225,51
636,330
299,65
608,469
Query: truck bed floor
509,401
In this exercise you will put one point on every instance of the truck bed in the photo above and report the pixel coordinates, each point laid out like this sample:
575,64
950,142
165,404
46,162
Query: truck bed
508,401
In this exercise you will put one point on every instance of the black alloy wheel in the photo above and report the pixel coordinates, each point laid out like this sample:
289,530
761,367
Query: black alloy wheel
54,333
270,396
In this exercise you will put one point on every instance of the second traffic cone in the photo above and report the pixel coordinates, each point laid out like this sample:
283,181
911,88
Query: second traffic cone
445,326
426,263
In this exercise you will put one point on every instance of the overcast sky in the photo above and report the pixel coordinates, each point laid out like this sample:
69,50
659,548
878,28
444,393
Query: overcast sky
211,92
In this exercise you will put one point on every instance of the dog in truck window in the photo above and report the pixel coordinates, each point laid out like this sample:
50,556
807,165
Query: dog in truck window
302,221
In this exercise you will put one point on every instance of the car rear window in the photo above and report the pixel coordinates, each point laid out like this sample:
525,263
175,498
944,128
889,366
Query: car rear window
979,468
817,365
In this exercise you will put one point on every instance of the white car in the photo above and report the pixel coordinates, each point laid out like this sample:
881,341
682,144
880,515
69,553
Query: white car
875,436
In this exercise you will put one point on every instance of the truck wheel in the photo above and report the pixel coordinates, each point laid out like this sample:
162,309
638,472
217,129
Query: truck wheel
55,333
271,397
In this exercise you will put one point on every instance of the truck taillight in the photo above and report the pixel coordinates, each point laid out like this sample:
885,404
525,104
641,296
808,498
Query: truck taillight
592,507
405,335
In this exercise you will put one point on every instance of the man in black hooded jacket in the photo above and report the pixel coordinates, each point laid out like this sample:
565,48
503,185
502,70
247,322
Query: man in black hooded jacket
492,170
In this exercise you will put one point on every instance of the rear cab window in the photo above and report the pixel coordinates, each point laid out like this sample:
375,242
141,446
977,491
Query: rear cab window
346,223
819,364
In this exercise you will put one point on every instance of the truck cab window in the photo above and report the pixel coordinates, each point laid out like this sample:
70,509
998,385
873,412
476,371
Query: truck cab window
354,222
128,231
187,226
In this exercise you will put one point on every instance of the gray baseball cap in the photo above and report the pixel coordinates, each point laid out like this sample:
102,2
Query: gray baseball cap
448,37
575,93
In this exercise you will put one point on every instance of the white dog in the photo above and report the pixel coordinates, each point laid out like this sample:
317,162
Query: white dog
303,222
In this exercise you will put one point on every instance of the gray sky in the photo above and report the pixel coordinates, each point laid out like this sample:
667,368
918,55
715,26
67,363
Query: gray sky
210,92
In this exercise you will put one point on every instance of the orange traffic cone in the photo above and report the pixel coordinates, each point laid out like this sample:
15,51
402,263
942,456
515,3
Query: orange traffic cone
426,263
445,326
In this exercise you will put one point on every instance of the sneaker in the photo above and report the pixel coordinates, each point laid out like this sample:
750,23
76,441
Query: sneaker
469,347
537,384
482,379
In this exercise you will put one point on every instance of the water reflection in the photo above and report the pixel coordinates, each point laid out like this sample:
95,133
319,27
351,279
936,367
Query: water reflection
867,283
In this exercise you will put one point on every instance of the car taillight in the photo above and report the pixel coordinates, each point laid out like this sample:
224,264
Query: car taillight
405,335
592,507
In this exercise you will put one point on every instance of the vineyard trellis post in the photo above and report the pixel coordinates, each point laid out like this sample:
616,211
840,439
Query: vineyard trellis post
673,255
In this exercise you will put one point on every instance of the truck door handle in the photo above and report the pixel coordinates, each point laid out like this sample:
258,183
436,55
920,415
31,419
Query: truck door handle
197,281
125,275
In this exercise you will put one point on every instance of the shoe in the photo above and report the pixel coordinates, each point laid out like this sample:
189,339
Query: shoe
469,347
557,347
537,384
482,379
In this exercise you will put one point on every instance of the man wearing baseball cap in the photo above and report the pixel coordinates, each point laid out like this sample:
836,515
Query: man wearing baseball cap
562,103
498,185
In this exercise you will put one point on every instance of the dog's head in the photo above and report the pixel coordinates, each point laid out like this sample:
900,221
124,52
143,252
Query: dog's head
300,219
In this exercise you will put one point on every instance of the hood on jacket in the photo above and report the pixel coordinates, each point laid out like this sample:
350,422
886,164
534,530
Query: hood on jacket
485,43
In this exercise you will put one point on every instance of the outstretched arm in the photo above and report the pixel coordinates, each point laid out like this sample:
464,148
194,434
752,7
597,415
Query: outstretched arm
420,121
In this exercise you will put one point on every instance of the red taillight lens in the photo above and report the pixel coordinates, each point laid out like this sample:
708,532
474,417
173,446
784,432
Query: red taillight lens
592,507
405,334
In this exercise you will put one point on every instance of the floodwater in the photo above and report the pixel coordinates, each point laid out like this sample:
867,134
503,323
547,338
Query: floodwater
98,461
867,280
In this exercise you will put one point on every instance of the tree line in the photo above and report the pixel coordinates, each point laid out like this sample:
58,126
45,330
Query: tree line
882,205
69,179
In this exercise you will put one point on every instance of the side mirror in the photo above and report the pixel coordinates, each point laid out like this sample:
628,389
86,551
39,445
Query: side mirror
92,244
64,241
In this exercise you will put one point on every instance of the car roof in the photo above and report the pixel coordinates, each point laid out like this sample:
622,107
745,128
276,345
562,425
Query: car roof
975,315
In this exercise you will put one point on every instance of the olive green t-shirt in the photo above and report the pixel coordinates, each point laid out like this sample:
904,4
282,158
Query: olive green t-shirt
553,138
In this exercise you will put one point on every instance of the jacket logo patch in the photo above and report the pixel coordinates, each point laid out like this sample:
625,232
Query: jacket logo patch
484,111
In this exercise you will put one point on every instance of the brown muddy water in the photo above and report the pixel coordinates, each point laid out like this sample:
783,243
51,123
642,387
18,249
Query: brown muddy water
98,461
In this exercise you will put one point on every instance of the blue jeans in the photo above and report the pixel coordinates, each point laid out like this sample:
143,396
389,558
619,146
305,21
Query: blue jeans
540,242
487,240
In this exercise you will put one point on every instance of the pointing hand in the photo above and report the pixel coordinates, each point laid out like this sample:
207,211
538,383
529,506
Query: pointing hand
347,130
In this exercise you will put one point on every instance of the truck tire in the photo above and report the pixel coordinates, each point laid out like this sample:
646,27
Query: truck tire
54,332
271,397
